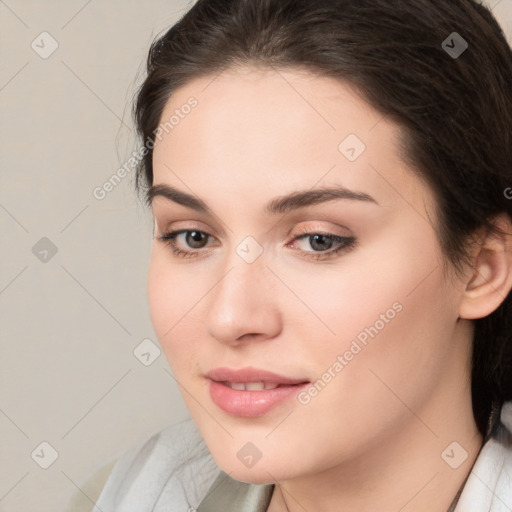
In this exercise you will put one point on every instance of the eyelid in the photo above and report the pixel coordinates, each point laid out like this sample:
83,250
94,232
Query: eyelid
316,229
169,216
165,225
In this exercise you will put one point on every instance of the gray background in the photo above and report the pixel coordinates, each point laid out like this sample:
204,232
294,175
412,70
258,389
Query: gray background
70,321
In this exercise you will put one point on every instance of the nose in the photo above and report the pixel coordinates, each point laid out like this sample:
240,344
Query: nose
243,306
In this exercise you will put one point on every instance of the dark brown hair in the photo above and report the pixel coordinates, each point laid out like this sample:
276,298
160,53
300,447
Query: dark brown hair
455,110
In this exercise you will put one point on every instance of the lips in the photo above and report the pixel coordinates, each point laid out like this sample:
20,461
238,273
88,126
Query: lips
249,374
251,392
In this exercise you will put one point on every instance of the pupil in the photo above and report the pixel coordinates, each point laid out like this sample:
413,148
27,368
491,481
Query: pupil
321,242
195,239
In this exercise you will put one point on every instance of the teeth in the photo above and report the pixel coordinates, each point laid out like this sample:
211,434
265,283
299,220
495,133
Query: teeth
254,386
251,386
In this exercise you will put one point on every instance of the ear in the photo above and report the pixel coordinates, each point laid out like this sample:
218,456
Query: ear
491,279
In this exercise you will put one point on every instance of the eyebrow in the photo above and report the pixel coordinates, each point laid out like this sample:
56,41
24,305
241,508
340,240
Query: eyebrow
278,205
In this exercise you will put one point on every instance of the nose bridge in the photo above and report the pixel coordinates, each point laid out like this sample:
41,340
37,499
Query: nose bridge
242,301
242,285
246,264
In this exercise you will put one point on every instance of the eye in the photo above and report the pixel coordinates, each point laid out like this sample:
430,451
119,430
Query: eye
322,245
180,240
187,243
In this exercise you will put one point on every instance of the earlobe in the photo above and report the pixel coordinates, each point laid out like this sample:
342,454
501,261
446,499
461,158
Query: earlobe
491,280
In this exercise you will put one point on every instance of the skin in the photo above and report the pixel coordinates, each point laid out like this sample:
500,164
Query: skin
375,434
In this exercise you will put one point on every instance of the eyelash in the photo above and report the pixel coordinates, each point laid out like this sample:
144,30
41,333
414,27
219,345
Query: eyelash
345,244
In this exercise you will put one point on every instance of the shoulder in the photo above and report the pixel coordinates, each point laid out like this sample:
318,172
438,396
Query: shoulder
171,469
489,485
89,491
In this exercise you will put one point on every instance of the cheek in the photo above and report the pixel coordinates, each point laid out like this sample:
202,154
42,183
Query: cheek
161,295
391,299
392,316
173,296
397,271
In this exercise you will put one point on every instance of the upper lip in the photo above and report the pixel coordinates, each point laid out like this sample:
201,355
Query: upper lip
250,374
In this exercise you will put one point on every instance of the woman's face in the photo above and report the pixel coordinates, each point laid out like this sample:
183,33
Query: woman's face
308,252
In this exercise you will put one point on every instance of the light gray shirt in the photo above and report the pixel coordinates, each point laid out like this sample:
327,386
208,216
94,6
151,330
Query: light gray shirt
174,472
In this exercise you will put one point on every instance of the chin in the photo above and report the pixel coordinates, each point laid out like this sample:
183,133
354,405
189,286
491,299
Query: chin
264,471
256,476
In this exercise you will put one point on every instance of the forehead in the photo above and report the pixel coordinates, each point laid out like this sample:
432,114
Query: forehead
274,129
271,109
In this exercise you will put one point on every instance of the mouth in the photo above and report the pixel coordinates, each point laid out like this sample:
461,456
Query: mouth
251,386
250,375
251,392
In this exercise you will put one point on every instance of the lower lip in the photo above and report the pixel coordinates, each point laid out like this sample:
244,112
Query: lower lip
251,404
